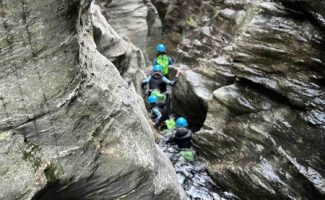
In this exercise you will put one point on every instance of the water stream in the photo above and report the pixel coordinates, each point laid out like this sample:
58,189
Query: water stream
193,176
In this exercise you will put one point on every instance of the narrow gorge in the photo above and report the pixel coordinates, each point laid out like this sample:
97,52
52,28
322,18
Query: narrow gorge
73,121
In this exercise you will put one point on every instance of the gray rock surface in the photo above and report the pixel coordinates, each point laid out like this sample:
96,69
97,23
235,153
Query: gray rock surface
258,72
70,126
127,58
135,20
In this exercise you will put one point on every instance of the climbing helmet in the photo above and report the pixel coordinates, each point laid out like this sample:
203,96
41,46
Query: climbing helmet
152,99
160,48
181,122
157,68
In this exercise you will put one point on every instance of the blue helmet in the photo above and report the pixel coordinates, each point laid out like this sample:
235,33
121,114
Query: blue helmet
160,48
157,68
181,122
152,99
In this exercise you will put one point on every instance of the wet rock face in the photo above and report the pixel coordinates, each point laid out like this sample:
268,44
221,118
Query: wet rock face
263,70
69,124
192,175
261,142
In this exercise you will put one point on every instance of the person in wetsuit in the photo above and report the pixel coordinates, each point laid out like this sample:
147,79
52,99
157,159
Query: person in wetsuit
156,80
158,110
182,135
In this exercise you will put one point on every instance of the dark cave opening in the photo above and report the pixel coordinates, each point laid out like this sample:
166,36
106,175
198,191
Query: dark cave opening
187,104
194,112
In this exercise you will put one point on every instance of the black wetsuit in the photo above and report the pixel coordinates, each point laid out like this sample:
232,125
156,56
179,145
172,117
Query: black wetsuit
182,138
156,82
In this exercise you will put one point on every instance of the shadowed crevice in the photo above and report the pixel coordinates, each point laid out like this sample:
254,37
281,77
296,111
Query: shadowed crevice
95,188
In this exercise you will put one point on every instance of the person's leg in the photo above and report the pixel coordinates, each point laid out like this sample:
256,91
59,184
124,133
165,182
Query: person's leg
163,87
168,104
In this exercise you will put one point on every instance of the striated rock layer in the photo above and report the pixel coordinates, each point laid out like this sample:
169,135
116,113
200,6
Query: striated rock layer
70,126
257,86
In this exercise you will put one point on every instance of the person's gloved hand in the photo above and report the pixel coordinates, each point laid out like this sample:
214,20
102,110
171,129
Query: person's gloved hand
174,81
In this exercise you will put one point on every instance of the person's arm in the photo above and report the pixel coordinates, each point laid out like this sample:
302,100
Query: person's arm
146,80
154,62
158,115
170,60
167,81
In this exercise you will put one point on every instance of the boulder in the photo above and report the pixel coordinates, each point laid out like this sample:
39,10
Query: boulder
262,70
135,20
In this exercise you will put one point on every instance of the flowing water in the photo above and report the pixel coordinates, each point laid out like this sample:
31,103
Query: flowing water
193,177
